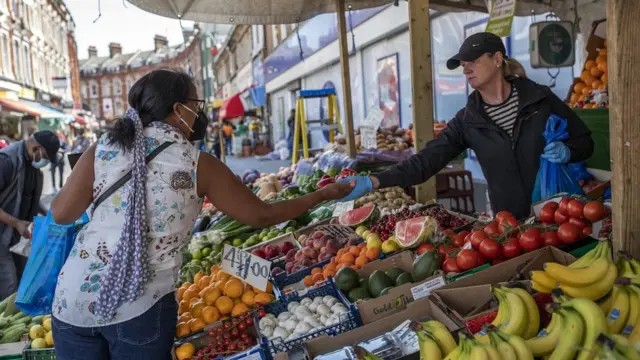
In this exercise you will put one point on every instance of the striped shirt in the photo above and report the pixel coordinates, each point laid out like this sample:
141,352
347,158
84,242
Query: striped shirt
505,114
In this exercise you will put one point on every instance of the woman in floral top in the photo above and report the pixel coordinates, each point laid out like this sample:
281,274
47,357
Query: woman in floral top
115,294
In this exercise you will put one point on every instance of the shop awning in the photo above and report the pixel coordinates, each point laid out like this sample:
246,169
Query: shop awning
50,113
20,106
233,107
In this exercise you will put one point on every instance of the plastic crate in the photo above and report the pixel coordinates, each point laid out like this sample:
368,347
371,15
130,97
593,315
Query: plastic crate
283,279
454,183
255,353
348,321
38,354
11,357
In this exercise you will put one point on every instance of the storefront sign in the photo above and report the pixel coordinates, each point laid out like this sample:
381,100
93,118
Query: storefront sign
245,266
27,94
501,17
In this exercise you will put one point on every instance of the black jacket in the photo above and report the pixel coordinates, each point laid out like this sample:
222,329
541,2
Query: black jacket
509,166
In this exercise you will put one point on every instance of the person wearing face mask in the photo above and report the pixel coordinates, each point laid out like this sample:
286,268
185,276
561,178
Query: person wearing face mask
20,191
115,295
502,123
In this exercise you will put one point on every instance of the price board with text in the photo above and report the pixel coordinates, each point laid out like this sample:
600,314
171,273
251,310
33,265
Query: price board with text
247,267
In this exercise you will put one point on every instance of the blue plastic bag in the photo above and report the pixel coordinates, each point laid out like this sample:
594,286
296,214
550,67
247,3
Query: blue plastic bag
579,171
554,178
50,247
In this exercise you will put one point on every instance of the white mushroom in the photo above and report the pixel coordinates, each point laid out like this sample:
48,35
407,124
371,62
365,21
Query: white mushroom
280,333
292,306
323,310
284,316
305,301
302,311
302,328
266,322
290,324
329,300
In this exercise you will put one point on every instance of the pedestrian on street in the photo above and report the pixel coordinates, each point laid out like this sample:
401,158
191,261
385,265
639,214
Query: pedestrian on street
227,130
115,296
60,162
502,123
291,124
20,189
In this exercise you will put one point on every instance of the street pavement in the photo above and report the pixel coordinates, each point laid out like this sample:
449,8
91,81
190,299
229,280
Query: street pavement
237,165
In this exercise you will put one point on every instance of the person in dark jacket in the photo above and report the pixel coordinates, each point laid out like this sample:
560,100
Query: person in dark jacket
502,123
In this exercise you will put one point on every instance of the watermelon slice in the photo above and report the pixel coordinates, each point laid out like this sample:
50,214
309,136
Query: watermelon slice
365,215
410,233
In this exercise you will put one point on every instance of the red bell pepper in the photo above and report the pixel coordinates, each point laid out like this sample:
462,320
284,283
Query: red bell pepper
324,182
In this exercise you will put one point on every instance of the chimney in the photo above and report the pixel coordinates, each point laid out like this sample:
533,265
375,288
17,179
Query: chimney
114,49
159,42
93,52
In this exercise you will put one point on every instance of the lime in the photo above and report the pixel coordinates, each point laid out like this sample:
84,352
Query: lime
196,255
227,242
290,229
262,236
206,251
360,230
218,248
273,234
237,242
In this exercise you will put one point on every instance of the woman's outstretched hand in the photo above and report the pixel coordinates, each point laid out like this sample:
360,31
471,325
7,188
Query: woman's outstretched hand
362,186
336,191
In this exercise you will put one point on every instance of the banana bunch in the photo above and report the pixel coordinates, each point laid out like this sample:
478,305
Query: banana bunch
616,347
627,266
364,354
572,332
624,317
517,314
501,346
591,277
434,340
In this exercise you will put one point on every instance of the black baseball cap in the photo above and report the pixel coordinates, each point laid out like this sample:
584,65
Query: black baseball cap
50,142
475,46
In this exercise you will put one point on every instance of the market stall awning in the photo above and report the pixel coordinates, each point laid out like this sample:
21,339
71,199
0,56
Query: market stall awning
20,106
50,113
233,107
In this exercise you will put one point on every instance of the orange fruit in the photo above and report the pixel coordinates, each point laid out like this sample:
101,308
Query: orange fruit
239,309
210,314
373,253
589,64
248,298
361,260
221,275
189,294
308,280
186,285
269,289
316,270
586,91
263,299
596,72
180,293
220,285
340,253
214,269
197,277
588,106
330,267
581,98
182,329
185,351
224,305
233,288
317,277
196,309
596,84
347,259
578,87
211,295
193,301
574,98
604,78
329,272
196,324
589,79
194,288
204,282
185,317
354,250
362,245
183,307
340,266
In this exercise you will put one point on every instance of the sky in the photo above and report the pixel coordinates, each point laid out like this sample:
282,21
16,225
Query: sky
133,28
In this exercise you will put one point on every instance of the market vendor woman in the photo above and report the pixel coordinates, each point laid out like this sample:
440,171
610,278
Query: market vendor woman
115,295
502,123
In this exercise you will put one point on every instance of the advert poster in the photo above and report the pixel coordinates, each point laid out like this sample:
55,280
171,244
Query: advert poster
389,90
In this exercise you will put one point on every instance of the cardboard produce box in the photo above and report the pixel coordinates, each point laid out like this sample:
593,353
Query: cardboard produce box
514,269
397,298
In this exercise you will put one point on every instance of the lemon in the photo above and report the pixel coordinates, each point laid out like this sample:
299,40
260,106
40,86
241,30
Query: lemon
389,246
36,332
372,236
48,339
374,243
39,343
46,324
365,234
360,230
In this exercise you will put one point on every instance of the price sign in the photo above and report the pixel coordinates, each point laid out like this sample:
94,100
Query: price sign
374,118
424,289
368,138
343,207
249,268
501,17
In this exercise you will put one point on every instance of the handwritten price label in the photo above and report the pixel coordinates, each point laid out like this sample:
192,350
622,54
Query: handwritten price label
249,268
343,207
368,138
337,231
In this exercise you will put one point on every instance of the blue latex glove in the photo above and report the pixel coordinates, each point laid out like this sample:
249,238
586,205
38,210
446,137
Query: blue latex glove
557,152
362,187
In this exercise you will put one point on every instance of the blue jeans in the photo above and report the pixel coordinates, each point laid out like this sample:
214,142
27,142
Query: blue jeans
149,336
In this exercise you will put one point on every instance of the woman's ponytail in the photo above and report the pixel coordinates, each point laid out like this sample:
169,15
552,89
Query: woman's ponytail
512,67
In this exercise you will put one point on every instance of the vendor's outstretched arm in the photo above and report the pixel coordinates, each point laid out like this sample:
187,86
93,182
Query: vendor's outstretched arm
426,163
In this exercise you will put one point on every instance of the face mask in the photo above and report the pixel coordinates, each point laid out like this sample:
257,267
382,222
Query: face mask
199,129
40,163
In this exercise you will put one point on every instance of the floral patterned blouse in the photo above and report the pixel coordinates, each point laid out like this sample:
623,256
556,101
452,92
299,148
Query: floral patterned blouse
172,207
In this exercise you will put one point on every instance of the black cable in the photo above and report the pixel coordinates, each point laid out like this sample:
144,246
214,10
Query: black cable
299,40
353,35
99,12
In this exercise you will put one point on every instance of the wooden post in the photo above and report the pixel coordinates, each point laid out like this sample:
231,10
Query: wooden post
623,36
421,85
346,79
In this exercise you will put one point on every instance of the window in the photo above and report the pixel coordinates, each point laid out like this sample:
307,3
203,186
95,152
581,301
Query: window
6,61
23,9
106,87
119,109
16,60
117,87
83,91
27,64
274,36
94,90
14,6
283,32
130,82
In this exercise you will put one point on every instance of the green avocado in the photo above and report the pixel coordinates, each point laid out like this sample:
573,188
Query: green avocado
404,278
425,265
347,279
378,281
358,293
394,272
385,291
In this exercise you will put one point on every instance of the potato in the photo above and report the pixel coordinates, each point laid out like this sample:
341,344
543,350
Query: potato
390,196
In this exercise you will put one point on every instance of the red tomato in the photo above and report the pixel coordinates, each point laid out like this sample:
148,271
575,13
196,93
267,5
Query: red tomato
551,204
546,215
530,240
550,238
477,237
511,249
467,238
568,233
587,231
502,215
492,229
560,218
490,249
508,225
449,233
575,209
423,248
579,223
450,266
464,233
444,250
594,211
481,260
467,259
458,240
562,206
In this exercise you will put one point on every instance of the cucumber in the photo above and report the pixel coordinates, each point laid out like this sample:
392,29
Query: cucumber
14,335
38,319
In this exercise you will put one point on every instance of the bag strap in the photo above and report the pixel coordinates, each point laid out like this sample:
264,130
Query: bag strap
120,183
